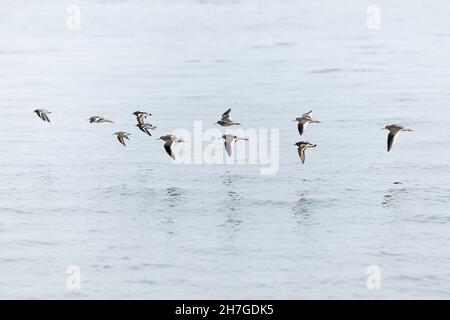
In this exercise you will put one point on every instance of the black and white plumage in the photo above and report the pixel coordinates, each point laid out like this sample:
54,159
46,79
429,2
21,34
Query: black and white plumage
169,141
229,139
302,146
121,136
394,130
97,119
226,120
43,114
146,127
141,116
304,120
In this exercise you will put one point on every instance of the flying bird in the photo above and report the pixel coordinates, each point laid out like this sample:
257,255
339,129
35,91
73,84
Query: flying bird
394,130
146,127
304,120
121,136
97,119
302,146
226,120
141,116
43,114
229,139
170,140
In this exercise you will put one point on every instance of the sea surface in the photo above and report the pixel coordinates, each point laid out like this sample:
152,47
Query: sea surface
139,226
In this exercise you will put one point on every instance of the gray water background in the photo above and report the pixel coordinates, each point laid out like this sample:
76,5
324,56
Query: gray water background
141,227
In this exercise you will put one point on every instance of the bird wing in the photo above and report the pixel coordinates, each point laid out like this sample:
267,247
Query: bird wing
228,147
120,138
228,144
45,117
302,126
391,140
140,118
40,114
301,153
147,131
168,147
141,128
226,115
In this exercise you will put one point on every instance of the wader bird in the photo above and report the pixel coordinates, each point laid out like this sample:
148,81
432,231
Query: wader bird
146,127
229,139
394,130
302,146
97,119
226,120
170,140
121,135
141,116
43,114
304,120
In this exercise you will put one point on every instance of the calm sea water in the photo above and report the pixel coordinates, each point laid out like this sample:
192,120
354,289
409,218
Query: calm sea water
139,226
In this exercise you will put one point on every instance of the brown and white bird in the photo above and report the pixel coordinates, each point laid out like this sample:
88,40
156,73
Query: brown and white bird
302,146
394,130
146,127
304,120
169,141
43,114
226,120
97,119
121,136
141,116
229,139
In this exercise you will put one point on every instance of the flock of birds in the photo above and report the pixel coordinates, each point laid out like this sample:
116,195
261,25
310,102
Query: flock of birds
225,121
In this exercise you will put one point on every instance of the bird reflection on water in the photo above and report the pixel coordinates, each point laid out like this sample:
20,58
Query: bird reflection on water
231,203
173,198
391,199
302,209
